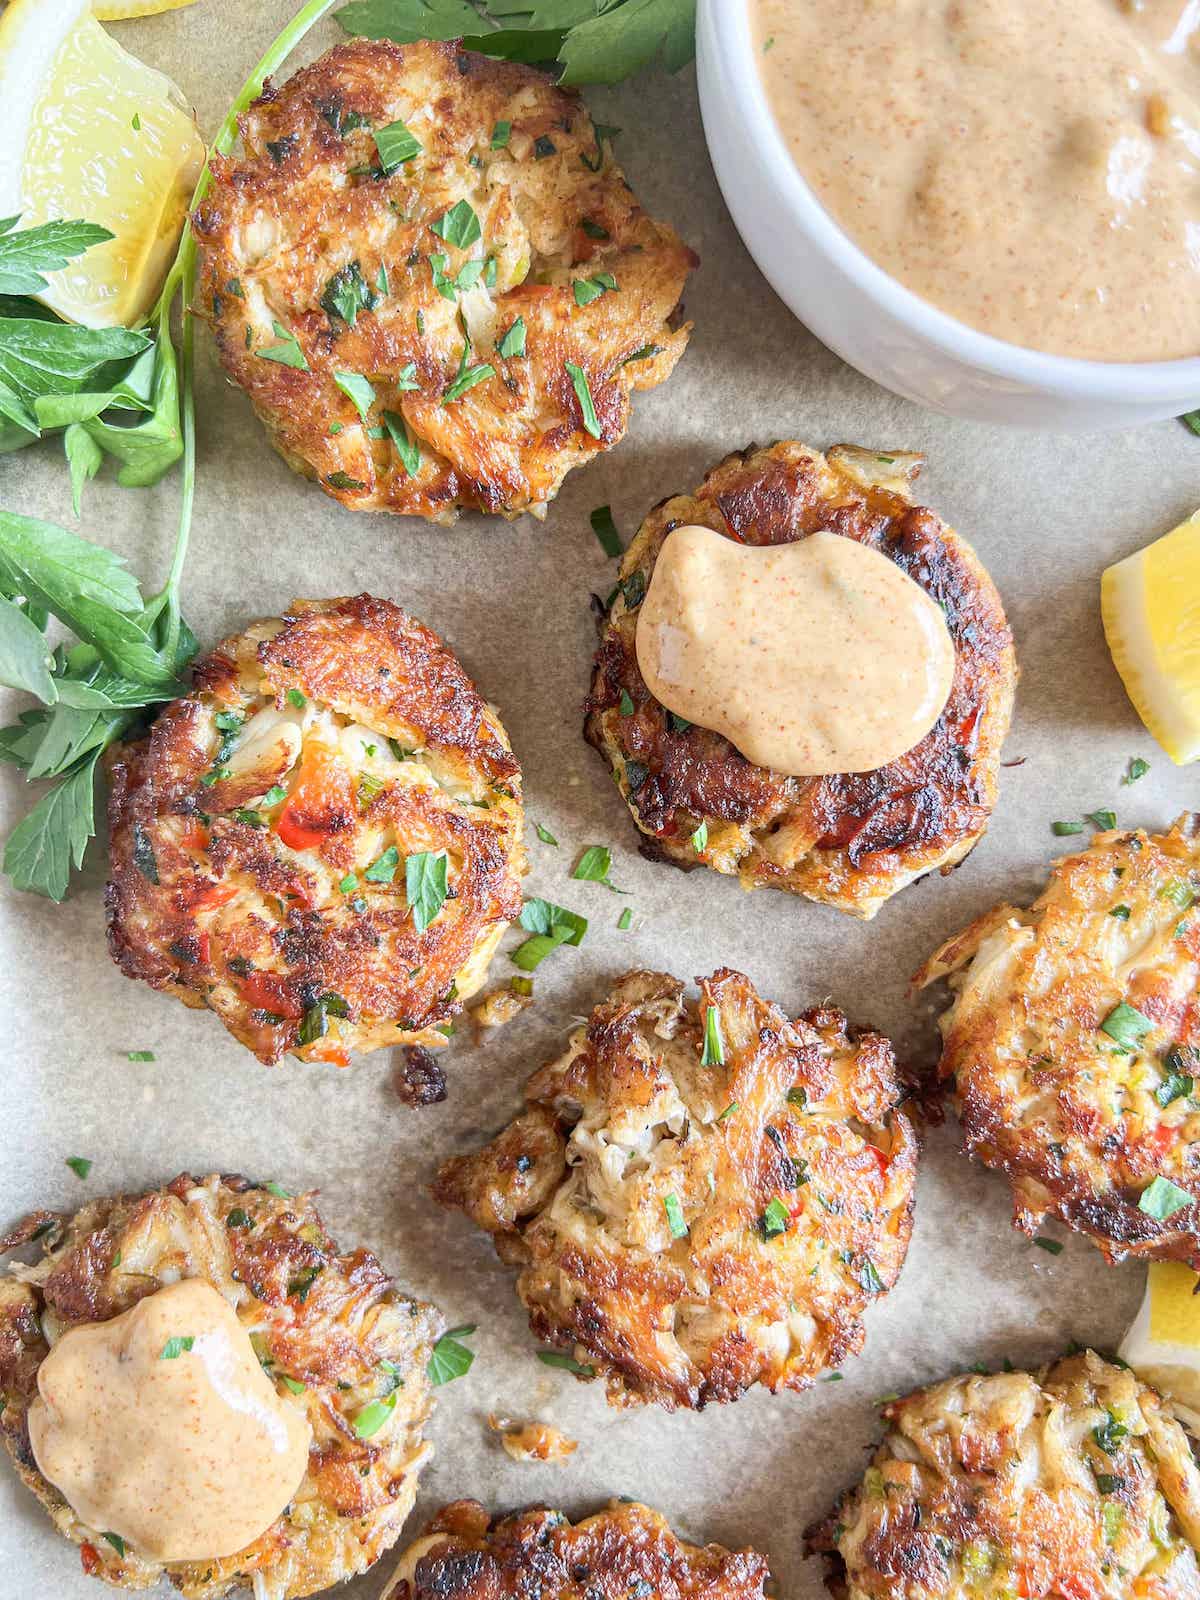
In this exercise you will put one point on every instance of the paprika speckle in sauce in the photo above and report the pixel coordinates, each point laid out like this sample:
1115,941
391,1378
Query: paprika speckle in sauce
1032,169
161,1427
811,657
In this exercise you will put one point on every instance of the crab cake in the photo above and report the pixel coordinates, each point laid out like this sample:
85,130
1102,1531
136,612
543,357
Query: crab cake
625,1551
701,1194
333,1333
322,841
1075,1481
850,840
431,278
1073,1043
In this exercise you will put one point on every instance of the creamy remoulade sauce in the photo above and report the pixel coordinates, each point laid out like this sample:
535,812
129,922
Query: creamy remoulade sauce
811,657
186,1456
1031,167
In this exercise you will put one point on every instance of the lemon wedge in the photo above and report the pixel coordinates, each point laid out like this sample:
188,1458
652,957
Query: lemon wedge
1150,604
122,10
89,133
1163,1343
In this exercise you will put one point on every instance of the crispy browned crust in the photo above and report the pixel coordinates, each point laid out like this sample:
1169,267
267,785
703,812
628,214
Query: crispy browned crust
335,1323
259,931
280,222
1073,1483
578,1192
625,1551
1045,1095
849,840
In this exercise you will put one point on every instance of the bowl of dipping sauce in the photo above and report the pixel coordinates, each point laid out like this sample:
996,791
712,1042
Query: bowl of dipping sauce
991,207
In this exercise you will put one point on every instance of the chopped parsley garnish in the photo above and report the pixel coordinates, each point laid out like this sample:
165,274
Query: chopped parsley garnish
774,1219
1120,912
1109,1433
176,1346
140,1055
293,1384
643,353
633,589
675,1220
545,835
626,705
869,1277
399,751
346,294
381,278
467,378
349,883
425,886
343,480
1174,1088
143,854
1137,769
315,1023
383,869
1052,1247
278,1191
593,229
700,838
116,1541
299,1286
713,1054
1162,1199
542,916
1062,829
274,795
594,866
406,445
583,394
368,1421
605,530
450,1358
1127,1025
251,818
358,390
501,134
238,1218
589,289
79,1165
396,144
459,226
544,146
297,699
287,352
728,1111
513,342
625,920
1104,820
560,1358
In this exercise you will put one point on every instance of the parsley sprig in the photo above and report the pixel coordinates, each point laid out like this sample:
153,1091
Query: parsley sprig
592,42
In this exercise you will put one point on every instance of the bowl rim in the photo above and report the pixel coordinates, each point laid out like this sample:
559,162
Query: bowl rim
728,22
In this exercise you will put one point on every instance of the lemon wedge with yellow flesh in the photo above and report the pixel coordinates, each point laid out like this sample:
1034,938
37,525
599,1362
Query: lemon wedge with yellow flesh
1163,1343
89,133
1150,604
122,10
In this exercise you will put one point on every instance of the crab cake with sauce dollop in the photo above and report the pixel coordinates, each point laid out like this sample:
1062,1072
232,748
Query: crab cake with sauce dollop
1073,1481
433,281
624,1551
322,841
701,1194
850,840
1073,1043
342,1346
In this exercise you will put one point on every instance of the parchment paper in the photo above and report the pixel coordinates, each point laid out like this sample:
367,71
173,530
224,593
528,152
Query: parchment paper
1045,513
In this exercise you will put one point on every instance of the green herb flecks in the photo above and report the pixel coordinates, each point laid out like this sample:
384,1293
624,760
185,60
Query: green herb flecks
1137,769
396,144
560,1358
588,289
625,920
347,293
140,1055
774,1219
1126,1025
512,343
405,442
383,868
583,394
1162,1199
451,1359
545,835
1065,829
467,378
605,530
176,1346
287,352
358,391
675,1221
79,1165
425,886
501,134
459,226
700,838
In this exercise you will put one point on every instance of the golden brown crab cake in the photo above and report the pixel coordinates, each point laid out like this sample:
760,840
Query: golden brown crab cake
1073,1043
1073,1483
626,1550
322,841
332,1331
433,281
850,840
702,1195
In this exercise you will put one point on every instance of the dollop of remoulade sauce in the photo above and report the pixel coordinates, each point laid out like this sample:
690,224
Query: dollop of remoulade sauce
1031,167
811,657
161,1426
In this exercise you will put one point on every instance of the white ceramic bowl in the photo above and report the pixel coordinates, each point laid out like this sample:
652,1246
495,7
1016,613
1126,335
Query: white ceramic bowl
862,313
